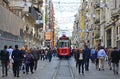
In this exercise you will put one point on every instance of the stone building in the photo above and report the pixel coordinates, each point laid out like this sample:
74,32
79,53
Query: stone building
102,22
22,22
11,26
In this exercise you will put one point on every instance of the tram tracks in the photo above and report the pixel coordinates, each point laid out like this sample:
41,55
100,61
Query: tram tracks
63,70
71,70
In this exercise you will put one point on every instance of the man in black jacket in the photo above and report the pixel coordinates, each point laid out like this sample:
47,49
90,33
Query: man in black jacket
115,56
17,57
4,56
87,57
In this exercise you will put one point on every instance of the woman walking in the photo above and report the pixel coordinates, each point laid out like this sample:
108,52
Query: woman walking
29,61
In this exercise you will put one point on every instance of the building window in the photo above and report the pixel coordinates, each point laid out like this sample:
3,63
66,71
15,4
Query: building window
116,30
119,30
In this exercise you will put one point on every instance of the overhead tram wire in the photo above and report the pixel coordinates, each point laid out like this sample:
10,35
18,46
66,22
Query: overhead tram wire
60,4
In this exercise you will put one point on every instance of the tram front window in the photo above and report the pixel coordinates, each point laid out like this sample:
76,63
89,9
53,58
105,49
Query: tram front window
63,44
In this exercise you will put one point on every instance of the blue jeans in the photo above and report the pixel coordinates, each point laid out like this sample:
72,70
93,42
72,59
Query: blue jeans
81,65
86,64
115,68
4,68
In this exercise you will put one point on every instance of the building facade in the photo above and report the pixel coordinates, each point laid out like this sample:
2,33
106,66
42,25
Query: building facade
24,20
102,23
49,24
8,21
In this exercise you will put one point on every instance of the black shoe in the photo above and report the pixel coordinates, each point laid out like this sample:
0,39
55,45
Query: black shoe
99,69
35,69
18,76
86,69
117,73
14,75
6,75
23,72
110,68
32,72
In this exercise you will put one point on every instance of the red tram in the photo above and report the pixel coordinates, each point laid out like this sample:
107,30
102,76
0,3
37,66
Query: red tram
64,47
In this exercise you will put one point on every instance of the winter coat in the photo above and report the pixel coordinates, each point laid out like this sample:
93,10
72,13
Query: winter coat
78,55
35,54
115,56
17,56
4,56
87,53
29,59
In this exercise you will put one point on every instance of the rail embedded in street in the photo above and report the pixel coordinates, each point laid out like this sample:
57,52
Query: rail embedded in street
63,69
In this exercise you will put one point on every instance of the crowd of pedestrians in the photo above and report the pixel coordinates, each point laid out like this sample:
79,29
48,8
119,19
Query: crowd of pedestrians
22,59
98,56
26,59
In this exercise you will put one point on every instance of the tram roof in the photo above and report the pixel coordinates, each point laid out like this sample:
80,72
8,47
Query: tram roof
64,37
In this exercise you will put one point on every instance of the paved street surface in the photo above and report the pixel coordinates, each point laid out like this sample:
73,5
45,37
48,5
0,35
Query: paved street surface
47,69
95,74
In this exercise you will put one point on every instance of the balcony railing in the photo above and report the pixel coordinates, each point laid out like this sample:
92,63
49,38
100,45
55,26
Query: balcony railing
97,36
17,4
38,19
6,1
97,5
33,13
115,12
37,1
97,21
40,22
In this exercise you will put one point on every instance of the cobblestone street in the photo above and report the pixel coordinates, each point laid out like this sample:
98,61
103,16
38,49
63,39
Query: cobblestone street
47,69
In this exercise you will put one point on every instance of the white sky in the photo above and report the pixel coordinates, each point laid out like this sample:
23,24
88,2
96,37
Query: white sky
64,14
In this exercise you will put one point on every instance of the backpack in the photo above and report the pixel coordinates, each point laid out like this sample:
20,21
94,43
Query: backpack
29,58
4,55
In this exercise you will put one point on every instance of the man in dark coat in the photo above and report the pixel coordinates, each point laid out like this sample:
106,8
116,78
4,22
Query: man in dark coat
17,58
50,54
87,52
4,56
35,53
115,57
